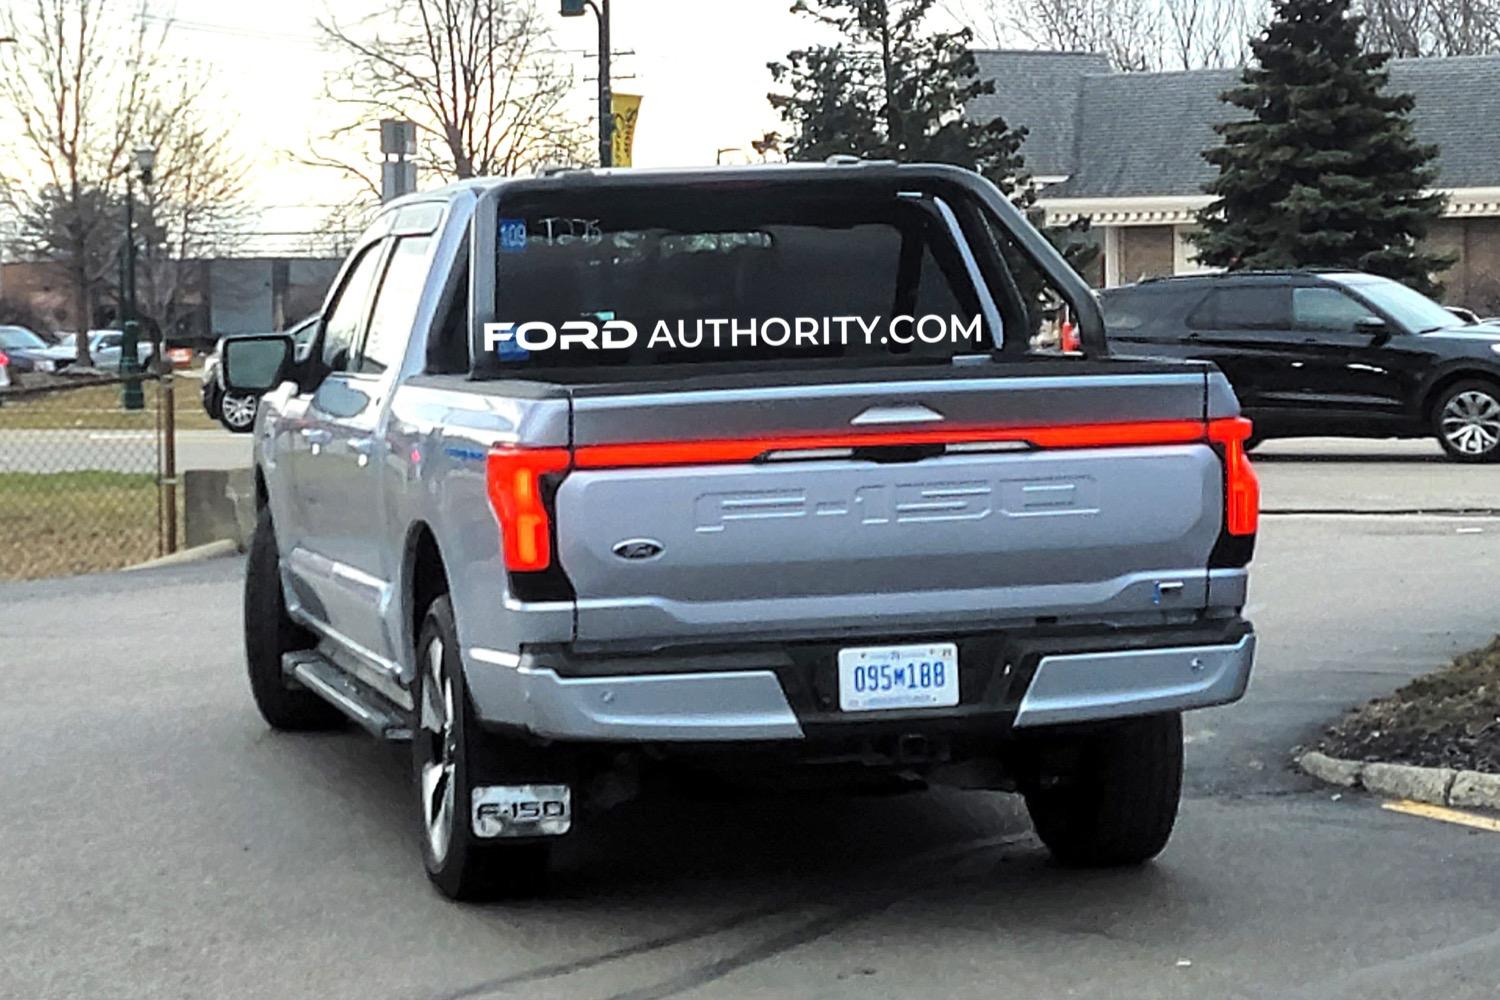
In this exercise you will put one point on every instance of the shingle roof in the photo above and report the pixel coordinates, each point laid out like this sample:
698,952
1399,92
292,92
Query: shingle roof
1031,88
1141,134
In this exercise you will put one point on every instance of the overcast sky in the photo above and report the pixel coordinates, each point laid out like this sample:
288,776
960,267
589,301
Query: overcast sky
699,64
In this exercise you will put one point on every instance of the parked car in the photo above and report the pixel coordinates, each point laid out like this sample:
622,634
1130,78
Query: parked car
849,563
1313,353
105,348
28,352
236,410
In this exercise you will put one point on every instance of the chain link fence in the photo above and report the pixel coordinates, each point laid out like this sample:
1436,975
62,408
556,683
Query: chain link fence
85,483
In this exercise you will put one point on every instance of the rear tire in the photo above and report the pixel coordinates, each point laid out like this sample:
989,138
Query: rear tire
270,632
1116,805
451,756
1466,421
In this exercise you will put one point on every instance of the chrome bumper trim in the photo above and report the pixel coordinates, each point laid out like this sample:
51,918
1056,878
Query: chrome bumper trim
724,705
1082,687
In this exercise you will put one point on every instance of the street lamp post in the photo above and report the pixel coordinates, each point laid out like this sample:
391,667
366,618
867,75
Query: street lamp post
132,396
575,8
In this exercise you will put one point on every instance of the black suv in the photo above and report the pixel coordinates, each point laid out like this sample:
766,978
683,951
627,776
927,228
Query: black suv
1325,353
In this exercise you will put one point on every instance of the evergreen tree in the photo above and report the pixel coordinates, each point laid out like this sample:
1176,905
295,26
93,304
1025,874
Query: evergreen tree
1325,172
892,88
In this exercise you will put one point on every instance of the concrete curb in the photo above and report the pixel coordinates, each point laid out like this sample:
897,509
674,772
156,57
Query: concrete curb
1439,786
198,553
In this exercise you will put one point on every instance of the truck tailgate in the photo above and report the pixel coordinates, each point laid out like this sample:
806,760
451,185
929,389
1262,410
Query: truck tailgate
880,505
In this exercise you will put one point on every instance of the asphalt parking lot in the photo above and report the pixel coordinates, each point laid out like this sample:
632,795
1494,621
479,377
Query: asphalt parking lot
161,842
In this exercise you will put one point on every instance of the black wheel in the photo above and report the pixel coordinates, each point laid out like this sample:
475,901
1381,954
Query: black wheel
1466,421
269,632
237,411
1115,803
451,756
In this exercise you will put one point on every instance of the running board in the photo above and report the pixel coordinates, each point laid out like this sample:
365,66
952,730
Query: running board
374,713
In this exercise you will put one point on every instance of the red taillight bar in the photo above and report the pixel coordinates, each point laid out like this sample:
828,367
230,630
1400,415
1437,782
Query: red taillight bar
1241,487
513,478
718,452
513,475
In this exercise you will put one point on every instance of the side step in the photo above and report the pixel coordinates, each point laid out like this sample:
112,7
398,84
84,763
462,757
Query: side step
373,713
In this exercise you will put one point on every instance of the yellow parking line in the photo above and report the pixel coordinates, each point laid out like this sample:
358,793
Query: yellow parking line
1444,815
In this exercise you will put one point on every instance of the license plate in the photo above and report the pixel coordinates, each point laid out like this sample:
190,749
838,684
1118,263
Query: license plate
872,678
522,810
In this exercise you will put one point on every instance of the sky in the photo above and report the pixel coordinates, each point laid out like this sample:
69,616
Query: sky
700,66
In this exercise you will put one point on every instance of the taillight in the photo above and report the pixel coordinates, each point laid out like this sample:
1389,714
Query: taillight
513,478
4,360
1241,488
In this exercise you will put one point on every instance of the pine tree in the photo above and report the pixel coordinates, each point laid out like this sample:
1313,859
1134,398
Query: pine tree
894,89
1325,172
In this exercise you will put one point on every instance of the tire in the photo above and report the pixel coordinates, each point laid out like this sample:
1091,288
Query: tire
237,411
451,756
270,632
1118,804
1466,421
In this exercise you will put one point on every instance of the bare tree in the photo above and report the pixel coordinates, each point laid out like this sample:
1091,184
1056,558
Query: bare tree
1432,27
87,84
193,209
478,77
1136,35
75,82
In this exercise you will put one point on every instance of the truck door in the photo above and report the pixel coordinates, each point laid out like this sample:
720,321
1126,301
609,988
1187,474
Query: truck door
323,501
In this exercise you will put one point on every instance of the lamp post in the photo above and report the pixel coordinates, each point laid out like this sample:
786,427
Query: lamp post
574,8
132,396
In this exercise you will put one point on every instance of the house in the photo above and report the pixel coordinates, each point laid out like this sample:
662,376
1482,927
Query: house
1124,150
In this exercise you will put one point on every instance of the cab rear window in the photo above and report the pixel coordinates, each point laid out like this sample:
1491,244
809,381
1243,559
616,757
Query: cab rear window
722,278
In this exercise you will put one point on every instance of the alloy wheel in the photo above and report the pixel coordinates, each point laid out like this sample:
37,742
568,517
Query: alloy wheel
439,762
238,410
1471,422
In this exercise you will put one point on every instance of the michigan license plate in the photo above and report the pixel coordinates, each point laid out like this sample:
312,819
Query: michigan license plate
873,678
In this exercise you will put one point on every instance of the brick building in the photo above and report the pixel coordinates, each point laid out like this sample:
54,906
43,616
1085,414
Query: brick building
1124,150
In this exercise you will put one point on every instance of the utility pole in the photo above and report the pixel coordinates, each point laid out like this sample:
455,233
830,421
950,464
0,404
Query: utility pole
575,8
132,396
398,175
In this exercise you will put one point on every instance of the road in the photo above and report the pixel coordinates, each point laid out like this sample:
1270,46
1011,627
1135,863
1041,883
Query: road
162,843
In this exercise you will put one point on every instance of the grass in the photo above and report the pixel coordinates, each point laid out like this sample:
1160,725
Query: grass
98,407
60,523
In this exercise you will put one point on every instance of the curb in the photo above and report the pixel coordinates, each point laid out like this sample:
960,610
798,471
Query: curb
198,553
1439,786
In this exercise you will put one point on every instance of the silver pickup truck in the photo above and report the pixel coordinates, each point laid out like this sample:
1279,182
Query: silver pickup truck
599,472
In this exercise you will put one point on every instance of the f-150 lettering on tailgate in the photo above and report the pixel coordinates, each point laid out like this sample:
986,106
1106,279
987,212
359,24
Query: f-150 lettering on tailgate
904,503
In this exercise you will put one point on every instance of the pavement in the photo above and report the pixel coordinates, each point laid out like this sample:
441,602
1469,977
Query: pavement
161,842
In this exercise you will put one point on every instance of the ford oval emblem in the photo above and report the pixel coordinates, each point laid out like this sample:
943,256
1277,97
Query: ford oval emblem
638,548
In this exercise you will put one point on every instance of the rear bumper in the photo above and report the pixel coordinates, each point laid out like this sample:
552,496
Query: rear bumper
774,693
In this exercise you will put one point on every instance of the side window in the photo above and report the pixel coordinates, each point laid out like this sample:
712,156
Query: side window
348,310
395,306
1326,309
1248,307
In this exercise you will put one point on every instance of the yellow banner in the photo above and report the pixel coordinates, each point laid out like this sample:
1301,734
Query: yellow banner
626,109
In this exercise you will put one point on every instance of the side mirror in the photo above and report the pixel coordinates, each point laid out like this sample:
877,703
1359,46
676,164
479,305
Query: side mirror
1372,326
255,364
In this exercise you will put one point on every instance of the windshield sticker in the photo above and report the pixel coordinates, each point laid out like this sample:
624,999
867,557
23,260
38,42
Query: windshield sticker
512,235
